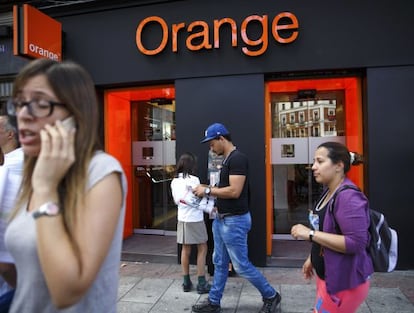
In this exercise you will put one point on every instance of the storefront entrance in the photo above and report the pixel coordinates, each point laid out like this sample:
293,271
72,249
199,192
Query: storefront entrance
300,114
142,137
303,114
153,156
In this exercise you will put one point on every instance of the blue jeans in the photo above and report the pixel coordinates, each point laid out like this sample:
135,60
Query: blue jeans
6,300
230,243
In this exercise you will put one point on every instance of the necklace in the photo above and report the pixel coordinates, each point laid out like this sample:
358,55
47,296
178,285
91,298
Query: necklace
225,159
324,201
319,205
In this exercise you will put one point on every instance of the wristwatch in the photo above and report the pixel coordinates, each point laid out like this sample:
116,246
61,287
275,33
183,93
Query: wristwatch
207,191
46,209
311,234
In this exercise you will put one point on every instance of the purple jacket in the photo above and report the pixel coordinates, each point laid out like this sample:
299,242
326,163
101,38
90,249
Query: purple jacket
352,268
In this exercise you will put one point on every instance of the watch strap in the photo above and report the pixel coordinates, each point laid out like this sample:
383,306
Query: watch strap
311,234
46,209
207,191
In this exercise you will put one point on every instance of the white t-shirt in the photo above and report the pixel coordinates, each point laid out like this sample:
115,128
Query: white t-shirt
10,178
180,187
32,293
14,161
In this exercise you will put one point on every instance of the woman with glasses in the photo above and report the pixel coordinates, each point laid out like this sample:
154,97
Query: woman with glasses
65,233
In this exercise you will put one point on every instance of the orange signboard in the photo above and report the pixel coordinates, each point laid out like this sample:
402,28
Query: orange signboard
197,35
36,35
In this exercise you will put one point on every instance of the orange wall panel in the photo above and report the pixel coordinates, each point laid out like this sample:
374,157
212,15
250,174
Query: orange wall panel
118,144
118,133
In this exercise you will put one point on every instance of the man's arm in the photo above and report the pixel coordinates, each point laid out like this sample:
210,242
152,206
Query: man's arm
233,191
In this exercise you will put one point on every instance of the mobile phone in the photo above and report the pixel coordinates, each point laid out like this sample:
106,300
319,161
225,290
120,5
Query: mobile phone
69,123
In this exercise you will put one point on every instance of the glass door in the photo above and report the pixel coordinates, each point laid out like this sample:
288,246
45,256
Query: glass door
303,114
140,132
153,158
300,122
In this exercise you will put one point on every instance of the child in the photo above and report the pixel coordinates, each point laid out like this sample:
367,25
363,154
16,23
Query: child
190,227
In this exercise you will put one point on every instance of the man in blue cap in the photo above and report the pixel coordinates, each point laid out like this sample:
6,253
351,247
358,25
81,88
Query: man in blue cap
232,224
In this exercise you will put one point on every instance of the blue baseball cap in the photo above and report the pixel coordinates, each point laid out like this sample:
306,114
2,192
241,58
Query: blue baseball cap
213,131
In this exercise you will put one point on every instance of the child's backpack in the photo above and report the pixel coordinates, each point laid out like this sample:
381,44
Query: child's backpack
383,245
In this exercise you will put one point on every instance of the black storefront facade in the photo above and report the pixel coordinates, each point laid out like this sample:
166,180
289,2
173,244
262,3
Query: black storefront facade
216,80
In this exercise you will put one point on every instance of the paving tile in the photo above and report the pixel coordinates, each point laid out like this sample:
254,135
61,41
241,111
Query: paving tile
156,288
126,283
143,269
175,300
387,300
297,298
130,306
249,302
148,290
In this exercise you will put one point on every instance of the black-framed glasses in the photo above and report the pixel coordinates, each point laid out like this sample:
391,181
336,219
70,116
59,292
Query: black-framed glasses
35,107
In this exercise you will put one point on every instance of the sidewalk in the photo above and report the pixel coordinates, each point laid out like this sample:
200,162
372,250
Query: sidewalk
156,288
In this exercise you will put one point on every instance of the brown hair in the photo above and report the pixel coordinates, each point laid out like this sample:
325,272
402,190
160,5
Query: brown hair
186,164
337,152
74,87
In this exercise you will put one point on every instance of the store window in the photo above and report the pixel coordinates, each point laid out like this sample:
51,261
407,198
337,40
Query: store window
331,112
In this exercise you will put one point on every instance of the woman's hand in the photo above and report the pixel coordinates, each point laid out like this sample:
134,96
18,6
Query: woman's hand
57,154
307,269
300,231
332,241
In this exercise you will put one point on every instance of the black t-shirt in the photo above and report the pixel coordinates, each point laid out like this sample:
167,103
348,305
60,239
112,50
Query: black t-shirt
236,163
317,250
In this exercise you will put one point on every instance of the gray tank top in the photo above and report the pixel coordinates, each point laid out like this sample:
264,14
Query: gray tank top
32,294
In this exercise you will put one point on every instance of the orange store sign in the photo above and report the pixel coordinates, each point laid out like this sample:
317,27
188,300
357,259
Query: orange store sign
35,34
284,30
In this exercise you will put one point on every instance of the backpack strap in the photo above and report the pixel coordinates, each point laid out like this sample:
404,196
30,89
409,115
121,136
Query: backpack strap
332,205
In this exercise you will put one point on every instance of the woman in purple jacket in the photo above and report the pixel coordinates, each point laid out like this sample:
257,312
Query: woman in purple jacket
339,236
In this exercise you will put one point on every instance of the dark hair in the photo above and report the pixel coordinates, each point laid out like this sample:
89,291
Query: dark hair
337,152
186,164
228,137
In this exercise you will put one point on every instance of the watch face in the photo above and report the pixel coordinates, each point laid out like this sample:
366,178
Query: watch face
47,209
52,209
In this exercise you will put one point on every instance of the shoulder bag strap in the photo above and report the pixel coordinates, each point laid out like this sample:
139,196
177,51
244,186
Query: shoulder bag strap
332,205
